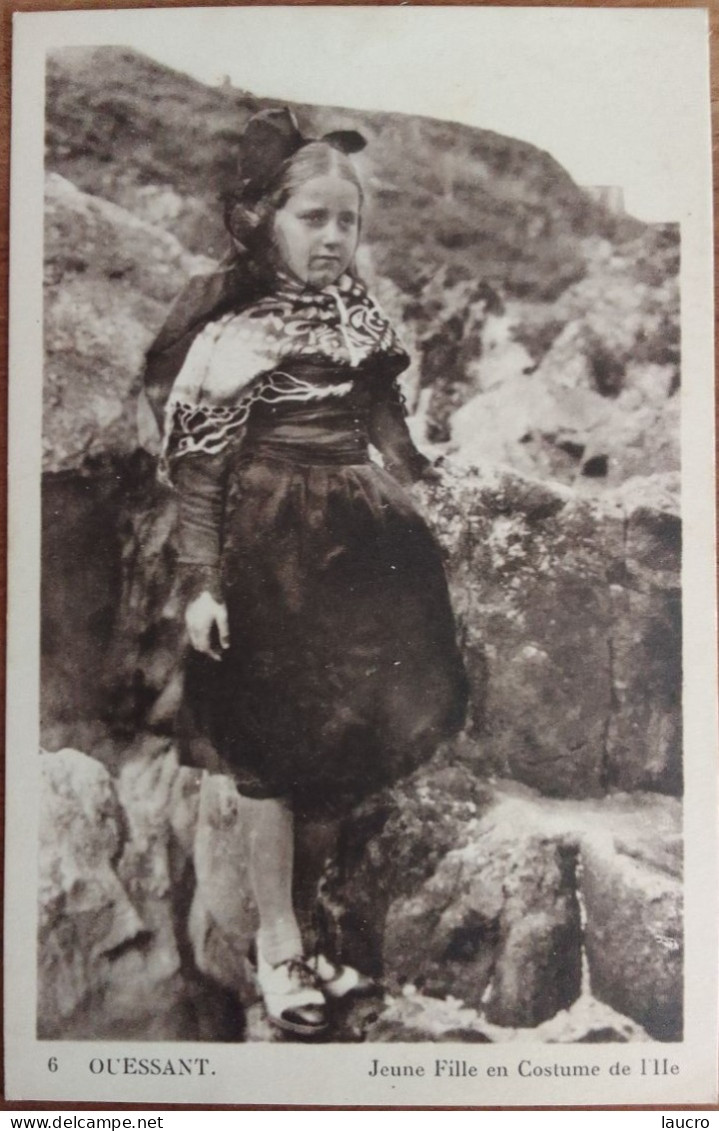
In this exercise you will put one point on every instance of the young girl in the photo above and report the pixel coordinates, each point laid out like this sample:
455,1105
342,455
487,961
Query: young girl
324,662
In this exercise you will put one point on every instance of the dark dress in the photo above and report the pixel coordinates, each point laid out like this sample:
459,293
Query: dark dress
343,673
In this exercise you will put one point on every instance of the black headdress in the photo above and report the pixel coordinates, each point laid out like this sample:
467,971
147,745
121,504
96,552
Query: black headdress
270,139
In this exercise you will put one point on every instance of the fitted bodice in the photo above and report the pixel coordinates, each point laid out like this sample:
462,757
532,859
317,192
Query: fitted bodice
333,428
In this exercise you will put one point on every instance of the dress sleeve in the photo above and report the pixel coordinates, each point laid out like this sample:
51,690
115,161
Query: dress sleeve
200,484
389,433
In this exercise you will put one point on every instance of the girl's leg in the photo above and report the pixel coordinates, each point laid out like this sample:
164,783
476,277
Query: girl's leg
292,997
270,825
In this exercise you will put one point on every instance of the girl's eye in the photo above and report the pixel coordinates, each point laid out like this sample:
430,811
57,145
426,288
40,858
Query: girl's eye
315,218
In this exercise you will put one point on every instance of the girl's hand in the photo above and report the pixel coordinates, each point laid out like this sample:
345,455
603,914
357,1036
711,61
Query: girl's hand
206,621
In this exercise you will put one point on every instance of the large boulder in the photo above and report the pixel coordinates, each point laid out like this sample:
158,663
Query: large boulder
461,898
494,923
116,885
568,662
109,278
582,390
497,925
86,917
387,848
634,934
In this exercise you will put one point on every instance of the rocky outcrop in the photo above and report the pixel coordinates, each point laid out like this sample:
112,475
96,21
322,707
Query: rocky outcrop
582,390
109,278
86,916
635,935
124,127
391,846
462,898
117,879
570,619
497,925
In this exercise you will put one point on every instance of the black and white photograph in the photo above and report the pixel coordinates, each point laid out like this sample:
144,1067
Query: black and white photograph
361,676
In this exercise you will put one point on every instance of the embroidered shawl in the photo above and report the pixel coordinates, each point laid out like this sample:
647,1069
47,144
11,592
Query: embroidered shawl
240,358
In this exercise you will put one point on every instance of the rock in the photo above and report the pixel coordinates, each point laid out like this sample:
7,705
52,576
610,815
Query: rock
497,925
152,864
583,389
568,663
634,937
86,917
223,918
413,1017
494,925
114,957
644,739
112,632
462,891
654,548
109,278
386,848
529,571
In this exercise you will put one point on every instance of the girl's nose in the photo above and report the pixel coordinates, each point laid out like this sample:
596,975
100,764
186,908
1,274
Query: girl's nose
331,233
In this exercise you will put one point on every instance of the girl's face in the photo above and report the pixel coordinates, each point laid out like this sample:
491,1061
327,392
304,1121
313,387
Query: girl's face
317,231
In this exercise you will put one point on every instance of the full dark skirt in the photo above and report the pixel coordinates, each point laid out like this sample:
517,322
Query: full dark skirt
343,672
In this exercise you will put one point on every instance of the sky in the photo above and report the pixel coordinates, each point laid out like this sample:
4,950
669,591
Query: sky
615,95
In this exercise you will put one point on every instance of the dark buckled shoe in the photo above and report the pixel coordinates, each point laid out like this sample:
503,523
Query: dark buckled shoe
293,999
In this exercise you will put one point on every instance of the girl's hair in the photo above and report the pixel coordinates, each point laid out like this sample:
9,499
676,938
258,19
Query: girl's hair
251,224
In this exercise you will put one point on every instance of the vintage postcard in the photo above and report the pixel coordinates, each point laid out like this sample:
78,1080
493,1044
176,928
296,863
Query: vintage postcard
361,738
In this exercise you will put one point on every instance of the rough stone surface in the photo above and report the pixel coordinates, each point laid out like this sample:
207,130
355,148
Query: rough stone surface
112,631
568,657
222,918
114,955
634,937
654,546
497,925
387,848
461,893
412,1017
644,739
109,278
86,916
495,922
152,868
582,390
